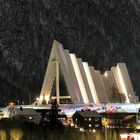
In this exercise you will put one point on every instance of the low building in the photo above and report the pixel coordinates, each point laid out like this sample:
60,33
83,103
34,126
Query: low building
27,114
87,119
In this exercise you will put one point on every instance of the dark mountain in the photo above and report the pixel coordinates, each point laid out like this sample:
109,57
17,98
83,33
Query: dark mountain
102,32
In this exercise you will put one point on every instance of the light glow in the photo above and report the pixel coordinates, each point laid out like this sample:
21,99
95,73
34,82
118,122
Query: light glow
79,78
89,125
122,84
124,136
30,117
90,82
47,98
41,97
72,124
11,104
134,136
82,129
105,74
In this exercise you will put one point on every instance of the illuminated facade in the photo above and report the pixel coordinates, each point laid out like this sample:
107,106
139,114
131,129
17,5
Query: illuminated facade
84,84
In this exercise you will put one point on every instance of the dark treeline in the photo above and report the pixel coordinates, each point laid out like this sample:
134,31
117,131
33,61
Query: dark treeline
101,32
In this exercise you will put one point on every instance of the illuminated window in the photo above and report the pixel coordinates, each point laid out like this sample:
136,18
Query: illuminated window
89,119
30,117
89,125
85,119
76,119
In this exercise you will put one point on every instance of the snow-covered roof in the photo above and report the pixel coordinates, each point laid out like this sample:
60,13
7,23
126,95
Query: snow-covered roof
26,111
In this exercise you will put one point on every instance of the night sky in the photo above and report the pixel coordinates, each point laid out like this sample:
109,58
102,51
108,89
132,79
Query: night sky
101,32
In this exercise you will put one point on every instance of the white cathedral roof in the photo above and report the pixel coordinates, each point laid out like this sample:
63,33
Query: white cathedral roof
83,82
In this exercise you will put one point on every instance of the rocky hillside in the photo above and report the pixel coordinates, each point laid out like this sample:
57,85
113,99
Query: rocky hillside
102,32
